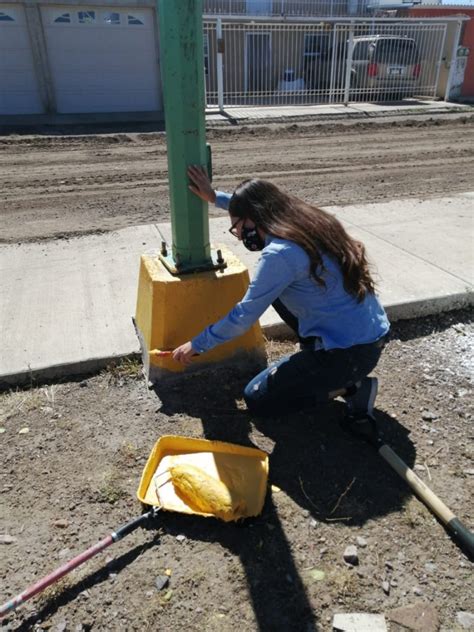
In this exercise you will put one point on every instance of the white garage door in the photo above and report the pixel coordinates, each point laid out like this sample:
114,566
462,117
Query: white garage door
19,92
102,60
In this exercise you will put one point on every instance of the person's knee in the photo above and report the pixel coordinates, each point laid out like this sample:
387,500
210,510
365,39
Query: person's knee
256,402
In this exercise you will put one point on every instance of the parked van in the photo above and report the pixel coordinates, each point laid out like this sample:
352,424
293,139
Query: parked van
385,66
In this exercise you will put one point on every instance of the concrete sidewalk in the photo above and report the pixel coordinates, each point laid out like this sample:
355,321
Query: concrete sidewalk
66,307
327,111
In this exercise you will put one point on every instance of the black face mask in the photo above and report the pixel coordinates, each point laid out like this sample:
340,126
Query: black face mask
251,239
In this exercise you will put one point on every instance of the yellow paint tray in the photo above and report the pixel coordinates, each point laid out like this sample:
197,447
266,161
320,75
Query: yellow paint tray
242,469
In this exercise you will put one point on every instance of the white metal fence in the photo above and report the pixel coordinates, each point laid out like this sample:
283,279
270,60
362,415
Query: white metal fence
287,8
284,63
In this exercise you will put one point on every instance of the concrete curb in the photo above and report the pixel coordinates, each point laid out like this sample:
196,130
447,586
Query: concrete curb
272,331
62,372
336,117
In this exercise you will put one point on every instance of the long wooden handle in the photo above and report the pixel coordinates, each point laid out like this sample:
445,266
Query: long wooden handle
461,533
66,568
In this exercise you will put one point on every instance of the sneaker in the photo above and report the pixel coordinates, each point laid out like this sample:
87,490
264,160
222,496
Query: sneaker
361,404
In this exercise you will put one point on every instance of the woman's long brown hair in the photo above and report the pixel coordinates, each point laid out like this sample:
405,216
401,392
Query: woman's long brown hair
285,216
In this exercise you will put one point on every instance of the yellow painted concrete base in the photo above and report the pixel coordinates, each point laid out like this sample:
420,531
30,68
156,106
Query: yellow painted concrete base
173,309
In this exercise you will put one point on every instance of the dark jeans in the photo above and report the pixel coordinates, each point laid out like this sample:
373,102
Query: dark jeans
307,377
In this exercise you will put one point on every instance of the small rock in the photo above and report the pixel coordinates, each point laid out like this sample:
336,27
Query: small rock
427,415
386,587
61,627
417,591
430,567
393,582
181,538
64,553
362,542
351,556
162,581
7,539
420,468
465,620
389,565
62,523
419,617
468,472
83,384
313,523
359,622
112,576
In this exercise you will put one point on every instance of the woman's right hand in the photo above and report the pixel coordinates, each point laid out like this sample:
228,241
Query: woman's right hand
200,184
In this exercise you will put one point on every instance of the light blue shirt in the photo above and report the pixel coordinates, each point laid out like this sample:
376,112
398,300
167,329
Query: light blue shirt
283,271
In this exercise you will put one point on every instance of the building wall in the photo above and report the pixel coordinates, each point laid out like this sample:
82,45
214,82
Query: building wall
119,71
467,36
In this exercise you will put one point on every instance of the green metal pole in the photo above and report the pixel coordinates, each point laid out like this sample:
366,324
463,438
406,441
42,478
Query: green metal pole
182,71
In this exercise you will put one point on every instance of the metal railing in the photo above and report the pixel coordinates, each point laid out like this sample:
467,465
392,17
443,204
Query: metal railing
286,8
280,63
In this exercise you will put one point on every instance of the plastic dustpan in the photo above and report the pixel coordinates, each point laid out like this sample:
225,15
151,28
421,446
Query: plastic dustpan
242,469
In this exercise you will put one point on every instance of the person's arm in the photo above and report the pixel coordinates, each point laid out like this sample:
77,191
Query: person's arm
272,276
202,187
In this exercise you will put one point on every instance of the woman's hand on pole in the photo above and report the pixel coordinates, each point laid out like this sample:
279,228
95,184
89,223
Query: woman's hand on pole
184,353
200,184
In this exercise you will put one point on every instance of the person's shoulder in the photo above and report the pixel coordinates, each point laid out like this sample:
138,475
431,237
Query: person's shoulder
284,247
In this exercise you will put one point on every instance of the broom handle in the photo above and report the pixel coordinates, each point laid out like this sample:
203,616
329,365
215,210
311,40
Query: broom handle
66,568
461,533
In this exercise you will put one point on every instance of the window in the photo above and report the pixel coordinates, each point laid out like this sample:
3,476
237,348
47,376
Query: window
259,7
112,18
86,17
396,51
316,45
5,18
133,20
206,53
361,51
65,18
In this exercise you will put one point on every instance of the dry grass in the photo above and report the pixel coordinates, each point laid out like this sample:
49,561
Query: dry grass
127,369
128,453
415,514
20,402
110,490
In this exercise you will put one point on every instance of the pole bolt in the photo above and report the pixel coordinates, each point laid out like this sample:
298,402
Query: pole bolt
220,258
164,250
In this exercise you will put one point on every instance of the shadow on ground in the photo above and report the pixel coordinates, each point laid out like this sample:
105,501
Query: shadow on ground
331,476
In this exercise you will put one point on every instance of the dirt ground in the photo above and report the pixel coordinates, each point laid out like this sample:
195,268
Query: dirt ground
71,479
52,186
73,452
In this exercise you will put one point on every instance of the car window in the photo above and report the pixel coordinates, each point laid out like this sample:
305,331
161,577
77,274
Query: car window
361,51
396,51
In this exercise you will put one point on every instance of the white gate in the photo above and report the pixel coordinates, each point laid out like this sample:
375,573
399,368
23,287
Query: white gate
265,62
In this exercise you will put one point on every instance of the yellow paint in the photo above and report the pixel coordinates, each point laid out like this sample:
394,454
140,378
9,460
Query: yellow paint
243,469
173,309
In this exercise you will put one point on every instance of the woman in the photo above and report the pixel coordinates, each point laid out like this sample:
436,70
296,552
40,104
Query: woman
318,279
